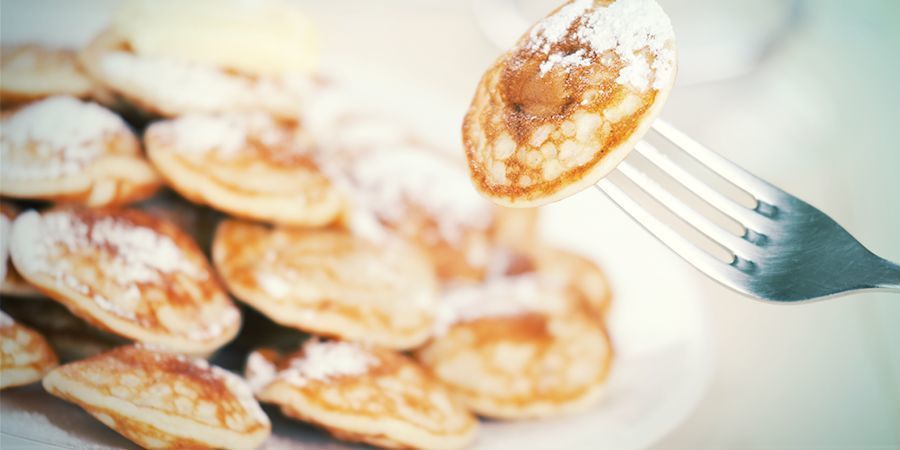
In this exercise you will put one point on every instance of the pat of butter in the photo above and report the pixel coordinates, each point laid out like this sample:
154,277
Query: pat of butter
257,37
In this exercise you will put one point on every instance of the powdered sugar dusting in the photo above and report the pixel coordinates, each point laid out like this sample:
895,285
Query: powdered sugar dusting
327,360
499,297
629,28
128,254
55,137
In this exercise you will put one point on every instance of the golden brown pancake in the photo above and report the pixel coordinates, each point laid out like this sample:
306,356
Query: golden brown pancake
165,87
11,283
128,273
70,337
248,165
362,394
578,272
162,400
330,282
32,72
519,348
562,108
24,354
198,221
397,183
65,150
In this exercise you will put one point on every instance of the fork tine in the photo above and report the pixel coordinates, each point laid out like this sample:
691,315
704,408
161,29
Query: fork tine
745,216
706,263
700,222
753,185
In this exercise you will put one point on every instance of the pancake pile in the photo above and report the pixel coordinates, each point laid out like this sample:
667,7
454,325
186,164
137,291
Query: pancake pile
380,297
24,354
65,150
362,394
163,400
567,103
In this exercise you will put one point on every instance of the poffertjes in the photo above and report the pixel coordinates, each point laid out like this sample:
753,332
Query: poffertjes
11,283
163,401
65,150
32,72
248,165
169,58
330,282
24,354
569,101
362,394
128,273
519,348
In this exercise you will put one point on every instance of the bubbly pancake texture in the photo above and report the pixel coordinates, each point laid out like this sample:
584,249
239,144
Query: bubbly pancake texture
32,72
163,401
516,348
63,149
362,394
128,273
562,108
330,282
24,354
248,165
166,87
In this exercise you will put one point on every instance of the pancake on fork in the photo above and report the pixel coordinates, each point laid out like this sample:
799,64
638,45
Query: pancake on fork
65,150
127,273
362,394
248,165
563,107
24,354
163,401
32,72
329,282
519,348
11,283
169,57
397,183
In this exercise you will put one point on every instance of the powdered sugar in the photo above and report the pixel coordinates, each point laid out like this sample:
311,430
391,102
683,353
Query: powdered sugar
323,361
228,135
629,28
499,297
55,137
126,253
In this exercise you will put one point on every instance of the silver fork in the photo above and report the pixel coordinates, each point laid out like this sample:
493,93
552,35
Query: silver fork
788,251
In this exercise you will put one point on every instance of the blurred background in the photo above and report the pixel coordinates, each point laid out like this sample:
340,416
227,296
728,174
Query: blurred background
803,93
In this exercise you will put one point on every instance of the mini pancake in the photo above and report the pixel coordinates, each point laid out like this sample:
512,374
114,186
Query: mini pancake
362,394
11,283
563,107
397,183
65,150
330,282
70,337
582,274
518,348
127,273
158,86
248,165
24,354
162,400
32,72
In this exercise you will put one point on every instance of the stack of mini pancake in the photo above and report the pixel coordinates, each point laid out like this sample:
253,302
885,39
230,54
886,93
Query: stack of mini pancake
191,155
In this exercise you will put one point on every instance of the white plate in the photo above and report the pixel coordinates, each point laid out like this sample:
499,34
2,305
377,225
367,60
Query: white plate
658,322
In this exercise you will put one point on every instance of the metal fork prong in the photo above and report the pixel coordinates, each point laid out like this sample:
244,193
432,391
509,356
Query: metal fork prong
701,223
753,185
745,216
718,270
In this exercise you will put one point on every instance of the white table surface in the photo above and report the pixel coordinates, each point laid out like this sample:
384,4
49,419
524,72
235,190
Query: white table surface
818,118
